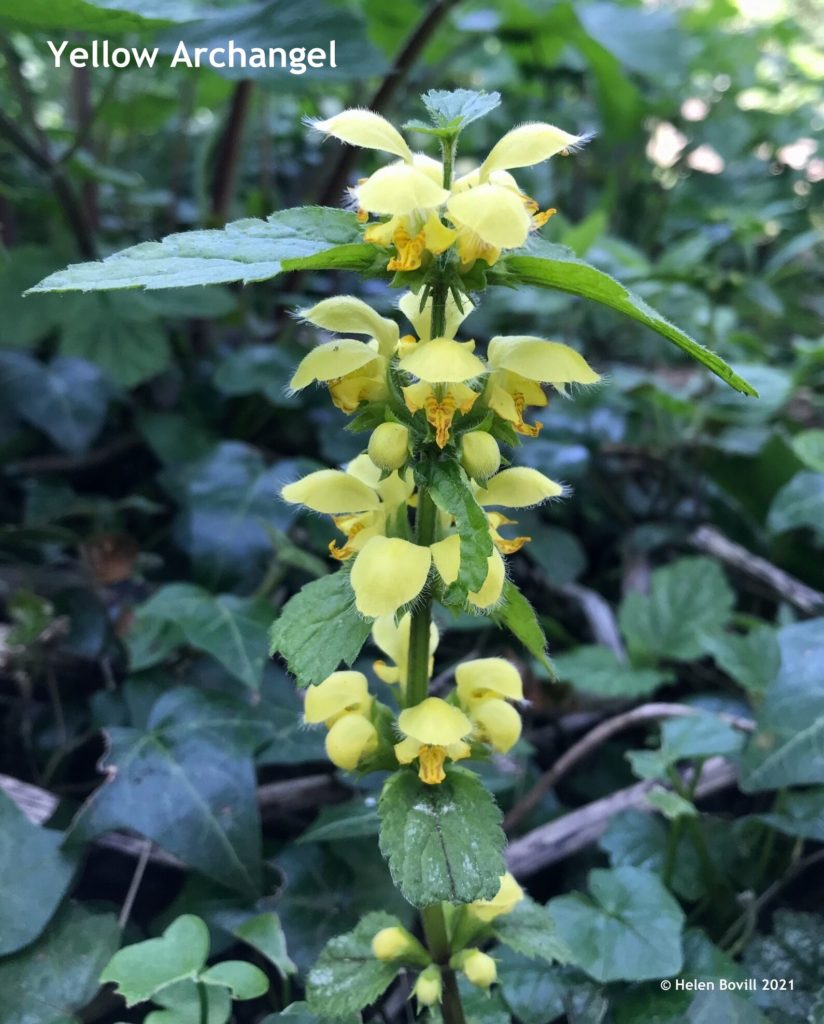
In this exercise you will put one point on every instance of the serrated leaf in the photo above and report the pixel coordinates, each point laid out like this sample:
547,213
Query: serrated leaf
347,976
530,931
442,842
752,660
36,874
628,929
188,783
244,981
595,669
687,599
140,970
517,615
319,628
49,981
787,748
552,266
456,108
451,491
308,237
232,629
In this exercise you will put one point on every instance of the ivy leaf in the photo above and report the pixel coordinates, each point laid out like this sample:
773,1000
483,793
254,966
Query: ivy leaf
788,746
453,110
517,615
444,842
347,976
530,931
319,628
47,982
140,970
36,874
595,669
628,929
188,783
244,981
687,599
303,238
232,629
682,739
451,491
181,1005
553,266
535,993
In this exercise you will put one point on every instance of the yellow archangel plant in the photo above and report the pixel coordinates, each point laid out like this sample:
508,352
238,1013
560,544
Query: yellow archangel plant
421,518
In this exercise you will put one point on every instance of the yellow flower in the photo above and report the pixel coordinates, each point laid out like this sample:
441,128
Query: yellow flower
428,988
446,554
361,504
484,686
394,642
434,731
508,896
482,678
478,967
396,943
353,370
518,487
520,365
350,740
388,573
339,694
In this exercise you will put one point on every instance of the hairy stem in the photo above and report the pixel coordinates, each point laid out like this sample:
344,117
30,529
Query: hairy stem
417,685
437,941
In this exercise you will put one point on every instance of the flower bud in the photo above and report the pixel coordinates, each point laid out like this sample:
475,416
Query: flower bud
429,987
508,896
389,445
497,723
478,967
480,454
396,943
349,740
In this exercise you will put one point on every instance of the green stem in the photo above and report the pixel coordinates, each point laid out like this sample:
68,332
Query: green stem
437,941
204,1003
417,685
448,147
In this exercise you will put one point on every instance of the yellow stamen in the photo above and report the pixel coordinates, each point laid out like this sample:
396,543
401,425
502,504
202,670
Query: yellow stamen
351,526
520,427
539,219
410,249
362,216
431,764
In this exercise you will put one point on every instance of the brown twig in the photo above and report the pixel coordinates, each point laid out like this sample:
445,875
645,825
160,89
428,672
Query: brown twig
564,836
412,48
594,739
782,584
74,463
228,151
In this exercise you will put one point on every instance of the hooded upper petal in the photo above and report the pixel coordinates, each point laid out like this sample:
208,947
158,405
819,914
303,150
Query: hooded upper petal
399,189
346,314
332,360
485,677
526,145
434,722
538,360
495,214
443,361
518,487
366,129
332,492
338,694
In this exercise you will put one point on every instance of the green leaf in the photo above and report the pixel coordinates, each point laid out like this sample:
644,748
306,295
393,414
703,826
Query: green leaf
118,333
140,970
26,321
357,818
96,15
232,629
530,931
443,842
187,782
36,874
799,814
319,628
686,599
752,660
595,669
534,993
799,504
788,746
457,108
517,615
552,266
347,976
258,369
49,981
451,491
670,804
181,1005
308,237
628,929
265,934
244,981
66,399
793,950
686,738
808,445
